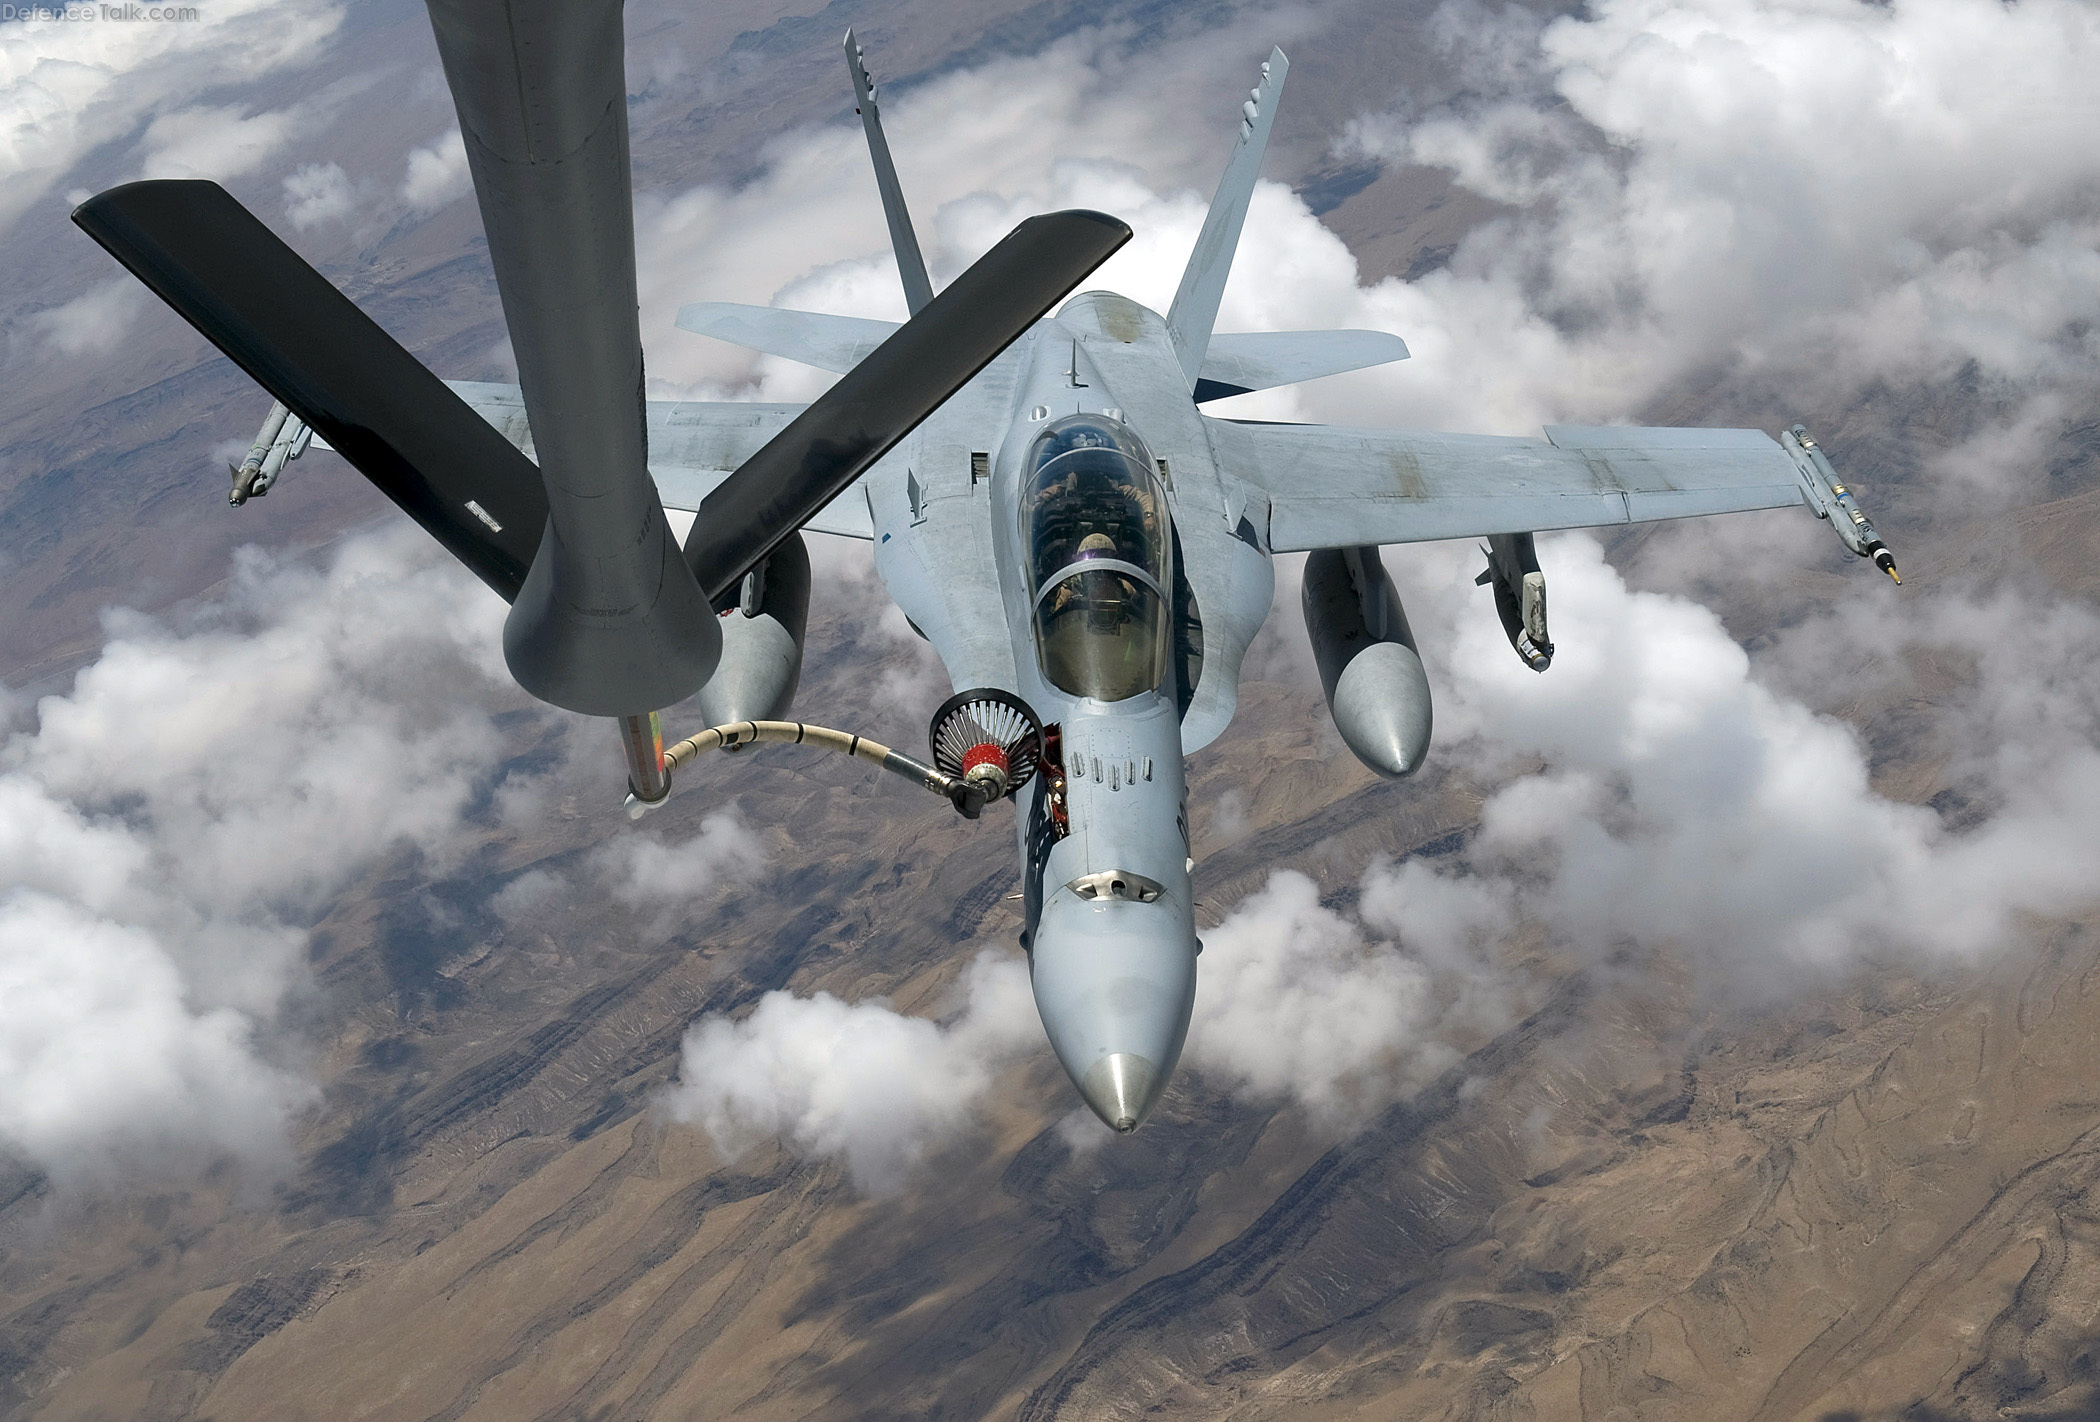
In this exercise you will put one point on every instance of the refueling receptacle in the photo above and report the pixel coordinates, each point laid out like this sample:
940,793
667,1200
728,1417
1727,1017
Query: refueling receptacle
987,740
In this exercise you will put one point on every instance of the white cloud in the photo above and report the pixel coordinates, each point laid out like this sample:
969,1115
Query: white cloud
855,1081
437,174
95,322
68,87
317,722
644,869
316,193
1691,204
169,827
1688,806
526,898
1292,1001
105,1058
216,143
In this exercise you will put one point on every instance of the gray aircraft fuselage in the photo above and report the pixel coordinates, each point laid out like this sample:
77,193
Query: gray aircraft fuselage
1110,917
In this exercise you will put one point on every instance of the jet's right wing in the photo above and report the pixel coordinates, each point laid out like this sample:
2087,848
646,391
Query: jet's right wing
1334,487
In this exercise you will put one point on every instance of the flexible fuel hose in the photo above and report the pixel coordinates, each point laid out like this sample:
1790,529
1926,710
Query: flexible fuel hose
738,734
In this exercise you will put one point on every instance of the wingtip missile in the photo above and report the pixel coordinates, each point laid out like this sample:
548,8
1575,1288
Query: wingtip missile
283,437
1829,498
249,470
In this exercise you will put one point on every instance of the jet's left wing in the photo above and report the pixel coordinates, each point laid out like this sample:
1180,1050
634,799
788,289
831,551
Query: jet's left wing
682,487
1333,487
693,446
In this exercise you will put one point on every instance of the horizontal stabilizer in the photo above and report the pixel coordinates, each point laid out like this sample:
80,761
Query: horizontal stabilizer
684,490
332,366
686,434
884,397
833,343
1261,360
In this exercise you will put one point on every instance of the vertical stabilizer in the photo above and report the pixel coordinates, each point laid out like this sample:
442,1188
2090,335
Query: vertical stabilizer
1195,308
911,266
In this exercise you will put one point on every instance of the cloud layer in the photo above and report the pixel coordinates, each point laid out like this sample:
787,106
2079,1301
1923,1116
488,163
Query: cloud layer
1343,1014
170,827
1683,202
876,1088
1687,805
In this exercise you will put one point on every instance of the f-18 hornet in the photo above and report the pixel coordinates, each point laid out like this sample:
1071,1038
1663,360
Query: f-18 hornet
1047,500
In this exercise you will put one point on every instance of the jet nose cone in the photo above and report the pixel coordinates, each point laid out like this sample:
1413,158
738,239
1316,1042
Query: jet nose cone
1122,1089
1114,982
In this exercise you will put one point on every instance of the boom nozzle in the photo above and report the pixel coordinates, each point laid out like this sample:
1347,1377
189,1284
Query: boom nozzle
642,739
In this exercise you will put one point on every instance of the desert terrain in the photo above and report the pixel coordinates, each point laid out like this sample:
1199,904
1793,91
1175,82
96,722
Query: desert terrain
1871,1196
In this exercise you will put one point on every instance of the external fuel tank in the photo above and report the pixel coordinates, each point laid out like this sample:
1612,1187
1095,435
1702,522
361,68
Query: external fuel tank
1373,677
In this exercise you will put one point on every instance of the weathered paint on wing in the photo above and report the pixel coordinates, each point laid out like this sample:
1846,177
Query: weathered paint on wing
1330,487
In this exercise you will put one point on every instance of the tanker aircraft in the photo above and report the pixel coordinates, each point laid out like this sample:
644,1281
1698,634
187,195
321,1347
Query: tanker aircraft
1088,551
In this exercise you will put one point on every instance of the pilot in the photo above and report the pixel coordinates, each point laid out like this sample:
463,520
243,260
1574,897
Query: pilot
1094,545
1148,506
1122,499
1064,488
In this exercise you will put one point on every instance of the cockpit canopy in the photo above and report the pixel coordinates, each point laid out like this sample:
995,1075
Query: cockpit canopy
1094,521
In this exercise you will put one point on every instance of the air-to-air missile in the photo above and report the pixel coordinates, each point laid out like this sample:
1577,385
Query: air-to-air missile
282,438
1520,595
1830,499
1369,668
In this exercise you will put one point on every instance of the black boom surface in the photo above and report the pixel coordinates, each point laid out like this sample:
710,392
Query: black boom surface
900,383
332,366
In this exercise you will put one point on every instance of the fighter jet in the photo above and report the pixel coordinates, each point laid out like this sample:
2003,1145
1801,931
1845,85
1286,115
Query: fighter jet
1089,552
